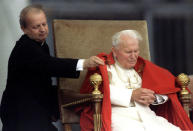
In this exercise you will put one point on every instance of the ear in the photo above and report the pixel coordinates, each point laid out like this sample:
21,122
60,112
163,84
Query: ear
24,30
114,50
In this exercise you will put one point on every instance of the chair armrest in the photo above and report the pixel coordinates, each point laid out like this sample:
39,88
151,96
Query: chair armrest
69,99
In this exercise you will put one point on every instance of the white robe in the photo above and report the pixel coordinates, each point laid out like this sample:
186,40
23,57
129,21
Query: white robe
127,115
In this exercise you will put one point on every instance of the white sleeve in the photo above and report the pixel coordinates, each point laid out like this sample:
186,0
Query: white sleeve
79,66
120,96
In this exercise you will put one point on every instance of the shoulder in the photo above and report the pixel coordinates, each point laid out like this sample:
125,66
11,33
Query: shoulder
25,41
25,48
107,58
27,45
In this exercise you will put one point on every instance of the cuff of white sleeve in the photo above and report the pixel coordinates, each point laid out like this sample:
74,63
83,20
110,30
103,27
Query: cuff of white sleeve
79,66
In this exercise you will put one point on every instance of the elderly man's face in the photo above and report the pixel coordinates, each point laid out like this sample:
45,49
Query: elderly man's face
127,52
36,26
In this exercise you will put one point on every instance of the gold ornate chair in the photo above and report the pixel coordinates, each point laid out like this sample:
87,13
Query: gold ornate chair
81,39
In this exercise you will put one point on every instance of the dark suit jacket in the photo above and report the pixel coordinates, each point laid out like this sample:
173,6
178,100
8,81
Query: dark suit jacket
29,96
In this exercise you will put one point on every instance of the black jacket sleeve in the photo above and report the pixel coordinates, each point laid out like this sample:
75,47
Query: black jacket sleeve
30,57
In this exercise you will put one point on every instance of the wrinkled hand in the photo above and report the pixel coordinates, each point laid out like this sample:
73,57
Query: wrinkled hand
93,61
143,96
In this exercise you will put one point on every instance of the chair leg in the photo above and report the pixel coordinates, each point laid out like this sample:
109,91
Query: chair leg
67,127
97,113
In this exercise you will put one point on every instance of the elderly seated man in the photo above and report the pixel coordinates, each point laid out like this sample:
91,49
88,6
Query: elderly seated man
131,85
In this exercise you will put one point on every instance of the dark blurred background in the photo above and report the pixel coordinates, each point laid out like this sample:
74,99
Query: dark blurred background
170,24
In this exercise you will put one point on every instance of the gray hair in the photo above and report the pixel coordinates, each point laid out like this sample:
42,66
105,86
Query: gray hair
131,33
22,17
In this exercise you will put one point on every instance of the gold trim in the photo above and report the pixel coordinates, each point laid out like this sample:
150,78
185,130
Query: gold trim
76,102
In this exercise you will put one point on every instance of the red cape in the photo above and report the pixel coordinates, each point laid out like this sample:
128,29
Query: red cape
153,77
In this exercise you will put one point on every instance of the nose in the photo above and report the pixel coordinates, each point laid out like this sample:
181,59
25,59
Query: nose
42,28
133,54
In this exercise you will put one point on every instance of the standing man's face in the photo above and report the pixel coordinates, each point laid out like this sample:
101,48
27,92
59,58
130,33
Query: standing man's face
127,52
36,26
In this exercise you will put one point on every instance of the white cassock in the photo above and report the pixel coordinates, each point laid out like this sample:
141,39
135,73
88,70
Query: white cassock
127,115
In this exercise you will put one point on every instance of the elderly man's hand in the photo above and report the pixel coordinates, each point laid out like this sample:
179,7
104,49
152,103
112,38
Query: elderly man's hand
93,61
143,96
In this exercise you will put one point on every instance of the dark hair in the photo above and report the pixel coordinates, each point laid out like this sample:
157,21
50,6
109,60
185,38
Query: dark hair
22,17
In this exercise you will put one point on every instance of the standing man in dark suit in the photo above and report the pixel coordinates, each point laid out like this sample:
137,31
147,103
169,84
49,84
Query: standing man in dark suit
29,100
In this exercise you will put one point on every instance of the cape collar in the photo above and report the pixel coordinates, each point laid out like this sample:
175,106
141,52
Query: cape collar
109,60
